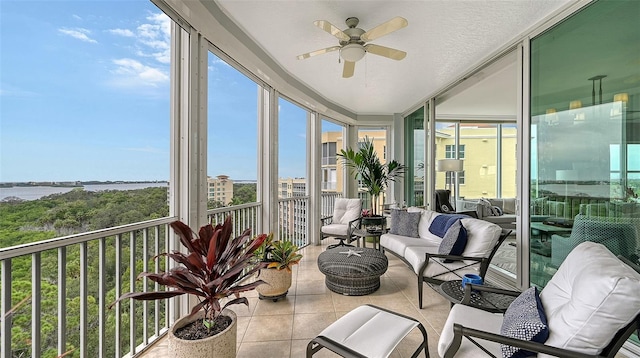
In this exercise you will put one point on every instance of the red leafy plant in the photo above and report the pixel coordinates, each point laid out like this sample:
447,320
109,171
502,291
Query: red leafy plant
214,268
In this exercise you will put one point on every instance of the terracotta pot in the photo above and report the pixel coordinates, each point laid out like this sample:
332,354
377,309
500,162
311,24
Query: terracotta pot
222,345
277,283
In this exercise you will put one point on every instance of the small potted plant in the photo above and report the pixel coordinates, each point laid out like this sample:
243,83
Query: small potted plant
214,268
279,256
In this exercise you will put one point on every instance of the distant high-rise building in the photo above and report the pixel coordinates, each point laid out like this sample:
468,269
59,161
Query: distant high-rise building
220,189
292,187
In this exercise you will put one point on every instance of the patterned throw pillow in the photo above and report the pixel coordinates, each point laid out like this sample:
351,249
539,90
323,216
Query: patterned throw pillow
454,240
524,319
404,223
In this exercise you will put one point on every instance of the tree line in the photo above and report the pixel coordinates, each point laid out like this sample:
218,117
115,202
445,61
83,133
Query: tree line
75,212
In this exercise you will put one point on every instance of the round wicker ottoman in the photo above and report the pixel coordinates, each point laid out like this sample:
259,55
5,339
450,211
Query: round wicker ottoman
354,274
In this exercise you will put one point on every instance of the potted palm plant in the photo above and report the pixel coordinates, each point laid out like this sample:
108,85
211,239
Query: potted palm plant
214,268
279,256
367,167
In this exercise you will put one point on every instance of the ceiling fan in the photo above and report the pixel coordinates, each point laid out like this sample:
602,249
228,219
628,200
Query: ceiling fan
352,42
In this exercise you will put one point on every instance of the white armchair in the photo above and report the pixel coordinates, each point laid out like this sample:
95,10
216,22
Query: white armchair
346,217
590,307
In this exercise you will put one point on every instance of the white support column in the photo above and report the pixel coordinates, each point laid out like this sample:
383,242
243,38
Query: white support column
179,126
523,174
396,141
351,141
268,166
188,184
314,173
430,155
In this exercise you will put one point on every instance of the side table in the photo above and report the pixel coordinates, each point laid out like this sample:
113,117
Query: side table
483,298
369,232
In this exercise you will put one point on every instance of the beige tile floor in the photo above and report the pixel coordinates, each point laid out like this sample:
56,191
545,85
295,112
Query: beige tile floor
283,328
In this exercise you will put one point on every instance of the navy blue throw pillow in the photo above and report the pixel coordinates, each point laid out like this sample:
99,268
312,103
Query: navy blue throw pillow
524,319
454,240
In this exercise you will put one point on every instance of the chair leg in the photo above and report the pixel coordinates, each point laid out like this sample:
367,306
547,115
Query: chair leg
424,345
341,243
420,286
311,350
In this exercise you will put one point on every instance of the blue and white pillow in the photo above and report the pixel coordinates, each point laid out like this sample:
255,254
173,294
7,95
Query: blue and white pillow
524,319
454,240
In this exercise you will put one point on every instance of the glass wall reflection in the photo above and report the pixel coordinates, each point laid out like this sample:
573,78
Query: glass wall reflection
585,91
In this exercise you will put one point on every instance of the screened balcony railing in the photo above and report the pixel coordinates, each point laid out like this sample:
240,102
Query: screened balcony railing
55,293
244,216
60,308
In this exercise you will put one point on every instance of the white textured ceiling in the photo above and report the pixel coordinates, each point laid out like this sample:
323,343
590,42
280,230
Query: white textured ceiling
443,40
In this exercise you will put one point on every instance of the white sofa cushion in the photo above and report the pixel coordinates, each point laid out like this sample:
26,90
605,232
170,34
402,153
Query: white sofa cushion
398,244
472,318
482,236
592,295
425,220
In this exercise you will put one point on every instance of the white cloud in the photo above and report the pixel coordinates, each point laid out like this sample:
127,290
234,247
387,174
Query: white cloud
145,66
78,33
133,73
156,35
122,32
77,17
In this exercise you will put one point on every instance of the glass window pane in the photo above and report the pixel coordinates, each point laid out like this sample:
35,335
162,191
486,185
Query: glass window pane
414,154
332,169
232,134
85,109
292,148
584,131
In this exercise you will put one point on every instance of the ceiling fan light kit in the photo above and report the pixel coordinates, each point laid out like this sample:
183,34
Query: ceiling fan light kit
352,52
352,42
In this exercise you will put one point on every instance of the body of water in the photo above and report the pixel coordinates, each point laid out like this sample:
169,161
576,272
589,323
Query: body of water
37,192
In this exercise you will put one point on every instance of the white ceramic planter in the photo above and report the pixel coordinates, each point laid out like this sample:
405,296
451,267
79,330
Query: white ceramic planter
222,345
277,284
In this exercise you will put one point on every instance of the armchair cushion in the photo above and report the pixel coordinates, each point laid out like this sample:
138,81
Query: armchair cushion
473,318
404,223
524,319
454,240
346,210
335,229
592,294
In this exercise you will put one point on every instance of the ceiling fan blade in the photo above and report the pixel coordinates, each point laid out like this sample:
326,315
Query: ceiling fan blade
317,52
383,29
385,51
348,69
328,27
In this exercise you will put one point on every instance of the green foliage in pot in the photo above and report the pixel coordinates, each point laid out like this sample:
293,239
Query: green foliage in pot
214,268
278,254
367,167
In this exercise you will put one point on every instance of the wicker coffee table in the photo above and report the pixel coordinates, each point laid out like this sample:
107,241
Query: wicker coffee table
352,271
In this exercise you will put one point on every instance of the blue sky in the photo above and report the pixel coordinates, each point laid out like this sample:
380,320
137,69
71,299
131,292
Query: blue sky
84,95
